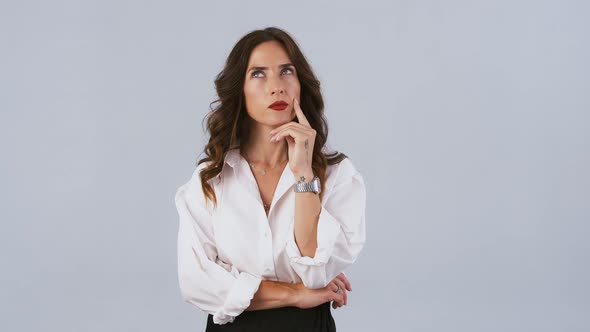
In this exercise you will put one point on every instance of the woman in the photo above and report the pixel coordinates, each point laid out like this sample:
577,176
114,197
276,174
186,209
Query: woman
268,221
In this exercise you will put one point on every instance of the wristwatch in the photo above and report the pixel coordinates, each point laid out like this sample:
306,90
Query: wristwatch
313,186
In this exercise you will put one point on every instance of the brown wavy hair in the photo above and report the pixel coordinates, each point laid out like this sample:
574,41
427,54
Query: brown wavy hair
228,122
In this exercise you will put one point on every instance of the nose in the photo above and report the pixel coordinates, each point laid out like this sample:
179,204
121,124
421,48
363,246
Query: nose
277,90
277,87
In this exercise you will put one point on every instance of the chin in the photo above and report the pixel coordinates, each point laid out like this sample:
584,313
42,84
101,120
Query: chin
283,121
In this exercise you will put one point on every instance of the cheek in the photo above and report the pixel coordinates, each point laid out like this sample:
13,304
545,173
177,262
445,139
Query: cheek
294,89
252,93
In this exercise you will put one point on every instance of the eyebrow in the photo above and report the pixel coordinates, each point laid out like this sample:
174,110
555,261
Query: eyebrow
265,68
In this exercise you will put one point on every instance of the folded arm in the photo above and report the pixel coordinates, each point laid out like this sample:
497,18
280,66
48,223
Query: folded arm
340,231
204,283
275,294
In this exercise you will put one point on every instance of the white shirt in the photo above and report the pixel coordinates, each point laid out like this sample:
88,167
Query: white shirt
224,253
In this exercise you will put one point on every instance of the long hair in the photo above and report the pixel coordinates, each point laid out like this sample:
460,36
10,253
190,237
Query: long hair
228,122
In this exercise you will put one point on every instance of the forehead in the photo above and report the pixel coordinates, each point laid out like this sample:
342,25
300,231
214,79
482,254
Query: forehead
269,53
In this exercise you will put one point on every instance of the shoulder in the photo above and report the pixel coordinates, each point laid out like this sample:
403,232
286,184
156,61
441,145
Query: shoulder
343,172
346,167
191,190
200,167
195,177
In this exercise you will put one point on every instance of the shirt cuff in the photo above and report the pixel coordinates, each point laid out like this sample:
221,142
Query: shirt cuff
328,230
238,298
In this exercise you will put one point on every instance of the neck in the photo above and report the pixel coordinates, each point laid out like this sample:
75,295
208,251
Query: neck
261,151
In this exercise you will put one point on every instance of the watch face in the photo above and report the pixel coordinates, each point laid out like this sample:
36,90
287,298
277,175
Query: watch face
316,184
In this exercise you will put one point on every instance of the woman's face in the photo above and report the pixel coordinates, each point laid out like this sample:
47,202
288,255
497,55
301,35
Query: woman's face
270,76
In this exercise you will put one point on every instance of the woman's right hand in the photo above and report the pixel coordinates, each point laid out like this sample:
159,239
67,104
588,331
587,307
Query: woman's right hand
309,298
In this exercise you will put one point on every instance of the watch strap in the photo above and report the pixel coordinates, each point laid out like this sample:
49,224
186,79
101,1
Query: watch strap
311,186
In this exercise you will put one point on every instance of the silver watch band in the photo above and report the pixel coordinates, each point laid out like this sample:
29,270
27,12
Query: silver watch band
313,186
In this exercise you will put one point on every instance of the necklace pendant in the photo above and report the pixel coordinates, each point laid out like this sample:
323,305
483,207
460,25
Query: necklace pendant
263,172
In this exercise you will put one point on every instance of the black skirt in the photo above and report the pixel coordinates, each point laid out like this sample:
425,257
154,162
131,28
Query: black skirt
286,319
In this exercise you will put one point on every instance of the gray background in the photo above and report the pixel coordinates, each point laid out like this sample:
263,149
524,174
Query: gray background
468,119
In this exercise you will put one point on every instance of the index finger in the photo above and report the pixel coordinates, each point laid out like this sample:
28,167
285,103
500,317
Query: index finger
299,113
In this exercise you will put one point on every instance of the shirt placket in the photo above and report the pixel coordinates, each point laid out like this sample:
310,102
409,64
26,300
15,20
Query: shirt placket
247,179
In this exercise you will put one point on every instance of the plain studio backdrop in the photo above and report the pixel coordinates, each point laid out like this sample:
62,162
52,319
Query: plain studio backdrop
468,119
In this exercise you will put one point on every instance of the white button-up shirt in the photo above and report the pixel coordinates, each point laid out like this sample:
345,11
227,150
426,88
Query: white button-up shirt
224,253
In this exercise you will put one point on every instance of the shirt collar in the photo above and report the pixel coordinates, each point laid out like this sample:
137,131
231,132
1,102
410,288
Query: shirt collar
232,157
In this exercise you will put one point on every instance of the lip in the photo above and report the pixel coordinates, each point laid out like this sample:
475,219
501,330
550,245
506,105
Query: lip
278,105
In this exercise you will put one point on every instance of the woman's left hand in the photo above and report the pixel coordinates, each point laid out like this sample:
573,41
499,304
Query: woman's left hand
300,139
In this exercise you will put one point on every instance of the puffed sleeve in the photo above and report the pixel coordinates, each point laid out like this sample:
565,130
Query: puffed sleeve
217,289
341,231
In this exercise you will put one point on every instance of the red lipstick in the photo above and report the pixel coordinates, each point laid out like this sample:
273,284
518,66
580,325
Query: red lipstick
278,105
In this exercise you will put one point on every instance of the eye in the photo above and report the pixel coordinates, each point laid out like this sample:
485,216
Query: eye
288,69
255,72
